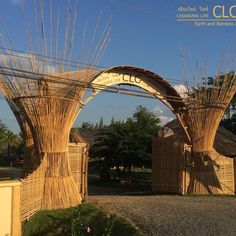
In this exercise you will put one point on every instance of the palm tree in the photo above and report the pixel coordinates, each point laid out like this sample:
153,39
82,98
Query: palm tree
11,139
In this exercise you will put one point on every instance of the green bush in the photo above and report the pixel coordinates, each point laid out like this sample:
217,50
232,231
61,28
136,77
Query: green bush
85,219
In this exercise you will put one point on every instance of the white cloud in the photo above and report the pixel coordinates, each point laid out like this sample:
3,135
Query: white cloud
165,119
27,62
157,110
182,90
163,114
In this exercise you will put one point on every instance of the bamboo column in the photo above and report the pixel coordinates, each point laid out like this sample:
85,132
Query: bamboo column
51,126
205,109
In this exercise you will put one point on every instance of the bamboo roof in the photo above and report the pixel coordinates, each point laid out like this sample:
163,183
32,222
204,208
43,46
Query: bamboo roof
76,137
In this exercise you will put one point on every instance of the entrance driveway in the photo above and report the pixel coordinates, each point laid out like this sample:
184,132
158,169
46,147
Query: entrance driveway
174,215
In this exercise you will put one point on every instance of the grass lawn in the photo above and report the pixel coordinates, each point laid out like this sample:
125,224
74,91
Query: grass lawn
85,219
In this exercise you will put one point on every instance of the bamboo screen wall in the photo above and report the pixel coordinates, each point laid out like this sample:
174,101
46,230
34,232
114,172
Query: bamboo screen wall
235,175
78,154
32,185
167,165
171,165
31,191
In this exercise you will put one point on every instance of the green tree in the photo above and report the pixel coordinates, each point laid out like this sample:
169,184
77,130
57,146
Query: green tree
3,130
87,125
11,139
124,145
230,123
101,125
112,120
13,142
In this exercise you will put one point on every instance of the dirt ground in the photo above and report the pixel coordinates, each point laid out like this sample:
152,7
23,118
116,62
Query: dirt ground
174,215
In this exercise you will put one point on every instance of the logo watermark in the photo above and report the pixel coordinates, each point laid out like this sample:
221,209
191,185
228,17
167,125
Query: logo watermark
205,16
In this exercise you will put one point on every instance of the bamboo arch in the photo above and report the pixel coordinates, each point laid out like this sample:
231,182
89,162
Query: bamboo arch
199,115
151,82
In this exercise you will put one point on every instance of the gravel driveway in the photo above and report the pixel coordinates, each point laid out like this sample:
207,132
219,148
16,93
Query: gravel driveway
174,215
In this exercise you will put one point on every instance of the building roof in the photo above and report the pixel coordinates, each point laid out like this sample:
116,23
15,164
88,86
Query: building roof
225,141
76,137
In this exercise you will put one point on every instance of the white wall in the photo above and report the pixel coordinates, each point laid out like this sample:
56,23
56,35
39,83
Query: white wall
9,208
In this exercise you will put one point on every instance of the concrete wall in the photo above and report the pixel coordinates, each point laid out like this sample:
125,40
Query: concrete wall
10,224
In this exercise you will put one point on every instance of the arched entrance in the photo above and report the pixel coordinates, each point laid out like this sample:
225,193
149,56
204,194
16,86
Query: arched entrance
152,83
184,110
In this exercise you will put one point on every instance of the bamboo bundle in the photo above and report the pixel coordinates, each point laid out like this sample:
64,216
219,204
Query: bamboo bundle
205,108
48,96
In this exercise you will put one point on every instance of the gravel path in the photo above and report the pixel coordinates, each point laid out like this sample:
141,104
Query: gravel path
175,215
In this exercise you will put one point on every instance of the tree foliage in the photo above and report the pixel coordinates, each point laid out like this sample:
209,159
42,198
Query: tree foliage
101,125
87,125
10,139
230,123
122,145
3,130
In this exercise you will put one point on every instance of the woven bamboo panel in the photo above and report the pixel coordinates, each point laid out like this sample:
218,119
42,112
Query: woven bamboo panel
173,166
224,173
78,154
167,166
31,191
215,175
234,175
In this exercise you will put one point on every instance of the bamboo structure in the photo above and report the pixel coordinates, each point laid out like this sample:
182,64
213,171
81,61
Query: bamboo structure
168,163
34,170
78,155
172,164
31,157
45,89
201,170
48,96
33,181
205,107
32,189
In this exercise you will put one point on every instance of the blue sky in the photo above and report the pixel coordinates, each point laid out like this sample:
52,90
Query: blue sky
145,34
